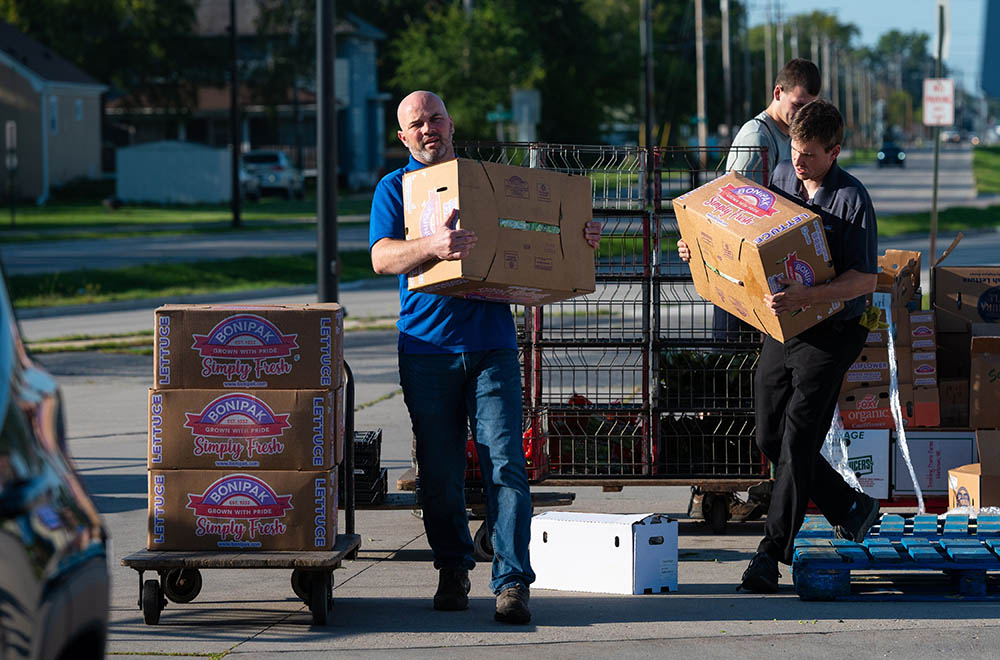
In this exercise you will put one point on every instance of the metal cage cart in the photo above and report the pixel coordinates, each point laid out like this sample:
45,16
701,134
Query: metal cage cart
179,577
629,385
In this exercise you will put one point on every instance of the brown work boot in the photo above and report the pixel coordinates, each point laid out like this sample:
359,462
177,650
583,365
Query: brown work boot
512,604
453,589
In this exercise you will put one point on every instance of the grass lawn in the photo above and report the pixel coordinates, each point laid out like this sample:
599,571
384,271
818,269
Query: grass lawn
953,219
986,169
858,157
137,282
76,218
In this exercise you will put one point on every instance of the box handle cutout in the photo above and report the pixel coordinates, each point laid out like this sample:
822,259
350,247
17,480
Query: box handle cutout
524,225
617,543
655,540
441,190
545,537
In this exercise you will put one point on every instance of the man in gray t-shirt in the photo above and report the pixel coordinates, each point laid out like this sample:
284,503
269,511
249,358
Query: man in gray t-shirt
797,83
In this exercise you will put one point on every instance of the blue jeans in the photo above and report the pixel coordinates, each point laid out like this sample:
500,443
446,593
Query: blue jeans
444,392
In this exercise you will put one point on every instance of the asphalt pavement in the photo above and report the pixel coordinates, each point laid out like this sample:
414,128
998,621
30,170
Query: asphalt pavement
383,599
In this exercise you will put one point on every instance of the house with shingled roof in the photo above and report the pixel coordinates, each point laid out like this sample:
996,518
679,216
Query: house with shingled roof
52,111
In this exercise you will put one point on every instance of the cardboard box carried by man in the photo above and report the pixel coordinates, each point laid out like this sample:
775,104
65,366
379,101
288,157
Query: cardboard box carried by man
529,227
743,239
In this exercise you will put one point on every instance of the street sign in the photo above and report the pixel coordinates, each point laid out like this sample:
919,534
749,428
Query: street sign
499,114
939,102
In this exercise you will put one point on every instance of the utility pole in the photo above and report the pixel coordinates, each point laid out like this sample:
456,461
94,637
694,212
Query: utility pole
795,39
699,56
826,64
327,265
936,136
780,60
814,48
747,78
768,66
646,46
234,114
727,78
835,75
849,92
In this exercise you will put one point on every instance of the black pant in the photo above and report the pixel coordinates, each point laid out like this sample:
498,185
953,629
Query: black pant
795,392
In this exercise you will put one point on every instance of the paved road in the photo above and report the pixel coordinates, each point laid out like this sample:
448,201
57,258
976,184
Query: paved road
910,189
893,191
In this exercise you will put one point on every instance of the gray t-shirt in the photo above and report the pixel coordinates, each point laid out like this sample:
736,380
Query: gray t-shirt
761,131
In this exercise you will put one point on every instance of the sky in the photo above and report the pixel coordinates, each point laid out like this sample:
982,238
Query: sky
876,17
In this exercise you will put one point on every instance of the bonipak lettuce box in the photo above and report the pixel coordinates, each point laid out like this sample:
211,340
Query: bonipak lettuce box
237,346
529,226
245,429
743,238
241,511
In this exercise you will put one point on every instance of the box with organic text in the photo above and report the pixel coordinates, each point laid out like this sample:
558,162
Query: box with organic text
247,430
744,239
242,511
238,346
529,226
871,407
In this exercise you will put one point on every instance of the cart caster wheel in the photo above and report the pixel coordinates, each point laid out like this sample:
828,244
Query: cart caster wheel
182,585
483,544
718,512
152,602
320,598
300,584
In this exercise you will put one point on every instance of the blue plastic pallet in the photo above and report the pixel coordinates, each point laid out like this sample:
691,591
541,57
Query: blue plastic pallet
918,558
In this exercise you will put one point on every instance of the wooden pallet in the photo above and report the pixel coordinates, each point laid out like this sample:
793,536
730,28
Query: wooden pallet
920,558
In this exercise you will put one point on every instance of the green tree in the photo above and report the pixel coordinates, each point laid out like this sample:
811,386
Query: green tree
128,44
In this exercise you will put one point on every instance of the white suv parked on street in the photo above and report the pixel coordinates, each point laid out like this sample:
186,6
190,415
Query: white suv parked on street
274,172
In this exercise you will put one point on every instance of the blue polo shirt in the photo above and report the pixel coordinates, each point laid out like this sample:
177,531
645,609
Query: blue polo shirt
845,207
429,323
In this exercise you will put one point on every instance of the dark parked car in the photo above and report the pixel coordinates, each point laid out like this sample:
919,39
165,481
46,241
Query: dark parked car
54,579
891,154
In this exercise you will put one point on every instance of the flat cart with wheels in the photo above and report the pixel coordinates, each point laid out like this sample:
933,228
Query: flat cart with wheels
179,572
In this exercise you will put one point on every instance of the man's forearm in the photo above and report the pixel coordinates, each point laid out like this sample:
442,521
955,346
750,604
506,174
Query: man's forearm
392,256
846,286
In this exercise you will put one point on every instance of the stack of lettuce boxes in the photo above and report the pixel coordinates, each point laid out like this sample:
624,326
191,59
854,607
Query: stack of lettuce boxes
246,427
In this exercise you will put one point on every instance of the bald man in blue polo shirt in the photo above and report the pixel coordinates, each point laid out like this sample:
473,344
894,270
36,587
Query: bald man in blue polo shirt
457,364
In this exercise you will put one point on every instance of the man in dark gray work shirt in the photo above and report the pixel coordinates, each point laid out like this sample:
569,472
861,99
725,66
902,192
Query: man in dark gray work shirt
797,383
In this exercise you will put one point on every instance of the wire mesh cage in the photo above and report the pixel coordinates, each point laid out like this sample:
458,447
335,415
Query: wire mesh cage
616,172
615,314
706,381
709,445
587,439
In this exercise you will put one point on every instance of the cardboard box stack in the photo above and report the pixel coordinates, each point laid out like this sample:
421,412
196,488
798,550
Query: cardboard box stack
864,399
528,222
978,484
966,301
246,427
743,238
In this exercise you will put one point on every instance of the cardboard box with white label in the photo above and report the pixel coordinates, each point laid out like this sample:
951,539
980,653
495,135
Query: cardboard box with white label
604,553
743,239
868,458
984,381
528,222
933,453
